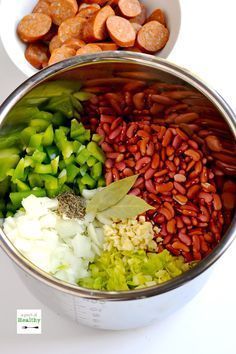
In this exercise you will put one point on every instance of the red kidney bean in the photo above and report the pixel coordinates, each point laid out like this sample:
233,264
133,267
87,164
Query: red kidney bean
173,161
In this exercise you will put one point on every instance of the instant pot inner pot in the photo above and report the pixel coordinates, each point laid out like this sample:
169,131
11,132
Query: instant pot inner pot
199,115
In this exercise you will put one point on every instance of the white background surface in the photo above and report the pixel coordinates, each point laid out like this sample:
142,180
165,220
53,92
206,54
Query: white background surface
205,326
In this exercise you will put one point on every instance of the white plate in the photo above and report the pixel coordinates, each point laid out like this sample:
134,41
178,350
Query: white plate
12,11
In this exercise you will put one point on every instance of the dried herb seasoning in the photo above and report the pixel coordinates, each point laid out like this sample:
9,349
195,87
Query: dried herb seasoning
71,205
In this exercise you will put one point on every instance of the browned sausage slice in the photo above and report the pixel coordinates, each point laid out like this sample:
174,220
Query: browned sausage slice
60,54
55,43
121,31
107,46
129,8
136,26
157,15
95,29
37,55
99,2
88,12
152,37
141,18
43,7
33,27
71,28
63,9
74,43
88,49
84,6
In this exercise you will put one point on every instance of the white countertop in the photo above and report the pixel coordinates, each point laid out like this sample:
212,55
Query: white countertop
207,324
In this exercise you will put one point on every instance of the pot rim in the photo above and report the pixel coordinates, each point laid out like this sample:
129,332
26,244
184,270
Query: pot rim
150,61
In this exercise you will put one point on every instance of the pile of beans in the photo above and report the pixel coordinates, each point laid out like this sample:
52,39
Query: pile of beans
182,166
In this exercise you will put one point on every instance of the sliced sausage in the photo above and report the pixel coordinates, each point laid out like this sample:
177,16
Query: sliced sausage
37,55
121,31
141,18
55,43
62,10
95,28
71,28
152,37
51,33
129,8
107,46
136,26
60,54
88,49
33,27
42,7
74,43
84,6
157,15
88,12
99,2
133,49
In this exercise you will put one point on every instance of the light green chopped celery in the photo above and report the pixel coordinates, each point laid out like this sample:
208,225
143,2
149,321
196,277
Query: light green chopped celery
127,270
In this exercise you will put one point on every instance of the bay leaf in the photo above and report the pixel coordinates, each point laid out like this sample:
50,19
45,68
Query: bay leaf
111,194
128,207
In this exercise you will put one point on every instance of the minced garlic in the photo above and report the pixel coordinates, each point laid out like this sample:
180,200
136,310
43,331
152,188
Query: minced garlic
130,234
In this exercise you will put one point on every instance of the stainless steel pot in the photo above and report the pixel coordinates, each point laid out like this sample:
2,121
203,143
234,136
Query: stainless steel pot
118,310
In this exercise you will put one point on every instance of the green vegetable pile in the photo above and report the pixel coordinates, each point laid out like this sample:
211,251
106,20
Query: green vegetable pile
128,270
47,150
